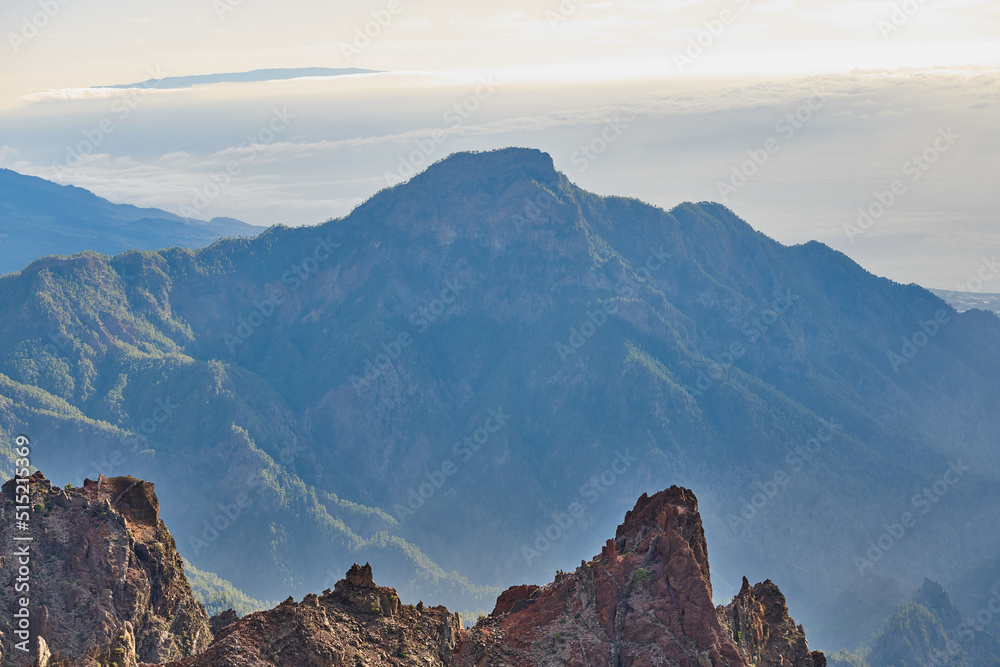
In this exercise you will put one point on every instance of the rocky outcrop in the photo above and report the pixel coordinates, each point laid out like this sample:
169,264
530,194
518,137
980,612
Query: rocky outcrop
222,620
357,624
645,600
757,621
106,582
514,599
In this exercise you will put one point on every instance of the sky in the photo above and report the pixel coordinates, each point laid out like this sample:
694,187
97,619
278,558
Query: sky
844,105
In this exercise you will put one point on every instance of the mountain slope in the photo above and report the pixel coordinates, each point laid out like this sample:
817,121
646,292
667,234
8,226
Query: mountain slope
39,217
489,336
930,630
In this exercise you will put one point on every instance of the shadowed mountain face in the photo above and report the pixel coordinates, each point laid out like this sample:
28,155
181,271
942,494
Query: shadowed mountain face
489,336
39,217
929,631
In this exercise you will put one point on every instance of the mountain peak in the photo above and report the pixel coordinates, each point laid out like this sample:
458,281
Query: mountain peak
505,164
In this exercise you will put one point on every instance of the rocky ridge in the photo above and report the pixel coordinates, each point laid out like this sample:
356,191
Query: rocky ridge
757,621
106,581
357,624
645,600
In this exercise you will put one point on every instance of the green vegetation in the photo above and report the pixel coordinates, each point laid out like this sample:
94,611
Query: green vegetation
642,576
92,348
218,595
843,658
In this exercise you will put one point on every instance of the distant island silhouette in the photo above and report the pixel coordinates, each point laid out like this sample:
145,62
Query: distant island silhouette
243,77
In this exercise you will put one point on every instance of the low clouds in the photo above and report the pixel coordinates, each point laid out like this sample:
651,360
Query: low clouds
684,137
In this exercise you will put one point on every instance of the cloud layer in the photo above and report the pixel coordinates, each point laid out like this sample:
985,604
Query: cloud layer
796,157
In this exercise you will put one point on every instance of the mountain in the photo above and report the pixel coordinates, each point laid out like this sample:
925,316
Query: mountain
645,600
39,217
256,75
929,630
469,379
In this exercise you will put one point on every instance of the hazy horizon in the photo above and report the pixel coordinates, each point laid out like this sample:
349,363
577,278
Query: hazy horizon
699,87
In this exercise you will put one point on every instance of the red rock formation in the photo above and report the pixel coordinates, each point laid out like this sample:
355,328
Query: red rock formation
358,624
107,583
645,600
513,599
757,620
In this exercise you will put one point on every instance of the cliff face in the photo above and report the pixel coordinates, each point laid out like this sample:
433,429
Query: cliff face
645,600
113,592
757,621
106,581
357,624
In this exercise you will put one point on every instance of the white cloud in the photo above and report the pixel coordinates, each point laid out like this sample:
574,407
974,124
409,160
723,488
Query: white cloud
683,136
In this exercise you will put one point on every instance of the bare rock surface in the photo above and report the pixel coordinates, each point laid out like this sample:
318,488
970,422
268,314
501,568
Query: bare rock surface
106,582
757,620
111,590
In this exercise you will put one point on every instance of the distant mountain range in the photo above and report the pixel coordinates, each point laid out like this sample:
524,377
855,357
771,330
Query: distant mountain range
470,378
39,217
963,301
242,77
